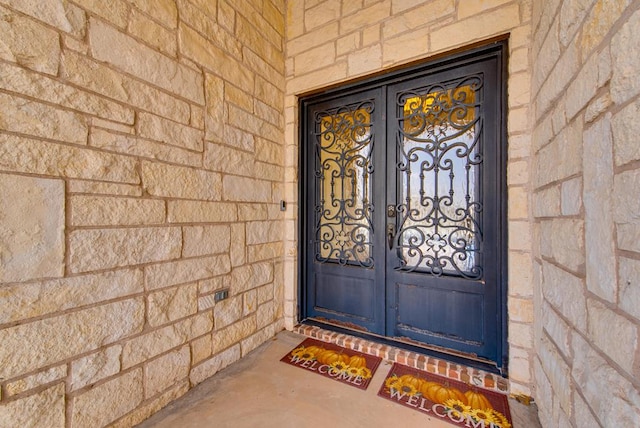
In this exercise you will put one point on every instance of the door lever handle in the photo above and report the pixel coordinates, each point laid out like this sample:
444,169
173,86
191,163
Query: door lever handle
391,231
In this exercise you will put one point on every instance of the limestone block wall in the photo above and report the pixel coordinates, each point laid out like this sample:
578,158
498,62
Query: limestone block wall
333,41
586,178
141,166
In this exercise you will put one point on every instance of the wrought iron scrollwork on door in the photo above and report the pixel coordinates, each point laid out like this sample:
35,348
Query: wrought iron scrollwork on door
343,168
439,131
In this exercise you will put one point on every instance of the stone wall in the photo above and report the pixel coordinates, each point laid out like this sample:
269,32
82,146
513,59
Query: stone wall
334,41
141,166
586,178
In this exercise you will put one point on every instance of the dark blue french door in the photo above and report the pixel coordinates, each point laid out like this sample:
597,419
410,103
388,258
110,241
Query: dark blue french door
403,206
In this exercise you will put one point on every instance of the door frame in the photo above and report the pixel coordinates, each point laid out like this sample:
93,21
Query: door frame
496,47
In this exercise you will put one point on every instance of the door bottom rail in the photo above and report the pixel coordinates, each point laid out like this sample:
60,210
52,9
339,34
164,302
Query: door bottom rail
459,372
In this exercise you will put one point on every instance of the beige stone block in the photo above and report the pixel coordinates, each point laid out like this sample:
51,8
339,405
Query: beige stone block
201,349
144,62
245,189
584,415
201,212
422,15
211,366
561,158
492,22
256,253
571,17
129,145
600,21
348,43
209,28
144,411
205,240
97,249
23,301
405,46
267,151
565,292
183,271
265,314
469,8
61,14
563,240
197,117
238,97
597,106
266,171
31,156
620,347
317,79
157,36
169,132
518,119
629,281
98,188
542,134
249,302
518,203
236,138
206,302
175,181
365,17
226,159
321,14
115,11
166,371
252,212
260,232
267,92
39,379
519,89
571,196
172,304
164,11
107,402
30,117
275,15
268,113
547,202
626,128
557,329
312,39
56,339
558,371
262,68
203,52
28,43
232,334
35,85
597,379
228,311
265,293
519,366
518,172
112,126
597,198
158,341
215,110
625,209
371,35
226,16
238,250
95,367
31,246
101,211
106,81
295,19
593,75
249,122
365,60
257,339
43,409
557,80
260,37
213,284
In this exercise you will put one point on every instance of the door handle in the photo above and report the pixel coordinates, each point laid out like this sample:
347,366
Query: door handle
391,231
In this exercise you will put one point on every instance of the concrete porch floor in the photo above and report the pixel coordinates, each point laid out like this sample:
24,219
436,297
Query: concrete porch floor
261,391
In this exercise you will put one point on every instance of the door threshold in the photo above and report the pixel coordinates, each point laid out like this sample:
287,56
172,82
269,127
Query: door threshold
451,366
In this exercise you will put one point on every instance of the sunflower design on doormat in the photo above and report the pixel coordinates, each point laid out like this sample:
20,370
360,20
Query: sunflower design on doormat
333,361
446,399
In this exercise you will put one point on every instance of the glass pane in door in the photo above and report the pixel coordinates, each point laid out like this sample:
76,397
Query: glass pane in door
344,142
440,160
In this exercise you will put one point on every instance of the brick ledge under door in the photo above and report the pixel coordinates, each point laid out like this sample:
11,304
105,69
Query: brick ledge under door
438,366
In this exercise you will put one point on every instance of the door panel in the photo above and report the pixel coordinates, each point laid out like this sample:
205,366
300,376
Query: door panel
346,248
404,207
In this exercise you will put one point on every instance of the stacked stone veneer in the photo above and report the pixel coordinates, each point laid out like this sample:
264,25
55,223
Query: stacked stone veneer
141,165
586,202
332,41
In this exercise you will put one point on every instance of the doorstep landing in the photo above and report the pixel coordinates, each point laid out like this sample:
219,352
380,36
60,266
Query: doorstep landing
429,364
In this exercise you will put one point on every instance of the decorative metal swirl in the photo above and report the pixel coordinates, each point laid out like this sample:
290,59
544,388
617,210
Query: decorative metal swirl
439,131
344,143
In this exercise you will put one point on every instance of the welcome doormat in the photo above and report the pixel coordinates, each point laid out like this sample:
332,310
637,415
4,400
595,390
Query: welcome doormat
335,362
446,399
